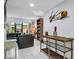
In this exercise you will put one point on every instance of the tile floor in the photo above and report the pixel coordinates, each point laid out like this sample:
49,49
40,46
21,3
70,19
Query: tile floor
32,52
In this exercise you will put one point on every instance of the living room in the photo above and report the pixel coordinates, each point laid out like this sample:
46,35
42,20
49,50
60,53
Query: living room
39,29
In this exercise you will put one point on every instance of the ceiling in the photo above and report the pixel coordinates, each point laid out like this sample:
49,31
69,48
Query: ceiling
21,8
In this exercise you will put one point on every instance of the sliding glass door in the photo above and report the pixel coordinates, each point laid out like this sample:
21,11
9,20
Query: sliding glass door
25,28
18,28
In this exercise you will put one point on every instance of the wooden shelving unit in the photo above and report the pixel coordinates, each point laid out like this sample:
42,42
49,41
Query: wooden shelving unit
40,29
62,48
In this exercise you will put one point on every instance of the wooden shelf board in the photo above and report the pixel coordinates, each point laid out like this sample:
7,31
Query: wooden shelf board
53,54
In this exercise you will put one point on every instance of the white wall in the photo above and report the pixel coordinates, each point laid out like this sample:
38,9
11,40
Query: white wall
64,27
18,20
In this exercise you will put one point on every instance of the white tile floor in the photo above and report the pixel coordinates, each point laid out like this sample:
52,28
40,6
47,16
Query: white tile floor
32,52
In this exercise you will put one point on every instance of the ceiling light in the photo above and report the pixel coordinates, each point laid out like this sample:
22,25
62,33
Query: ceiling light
31,5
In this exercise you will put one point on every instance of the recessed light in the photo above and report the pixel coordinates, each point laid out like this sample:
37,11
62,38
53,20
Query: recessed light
32,5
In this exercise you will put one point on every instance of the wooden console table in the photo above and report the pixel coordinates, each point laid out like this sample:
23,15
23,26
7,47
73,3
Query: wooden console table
63,48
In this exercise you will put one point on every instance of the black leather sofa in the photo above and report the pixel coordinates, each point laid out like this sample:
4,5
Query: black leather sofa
25,41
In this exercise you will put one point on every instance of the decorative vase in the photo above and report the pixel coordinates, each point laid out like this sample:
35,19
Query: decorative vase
55,31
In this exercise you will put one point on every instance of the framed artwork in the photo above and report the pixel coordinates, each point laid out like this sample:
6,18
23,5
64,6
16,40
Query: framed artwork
58,15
